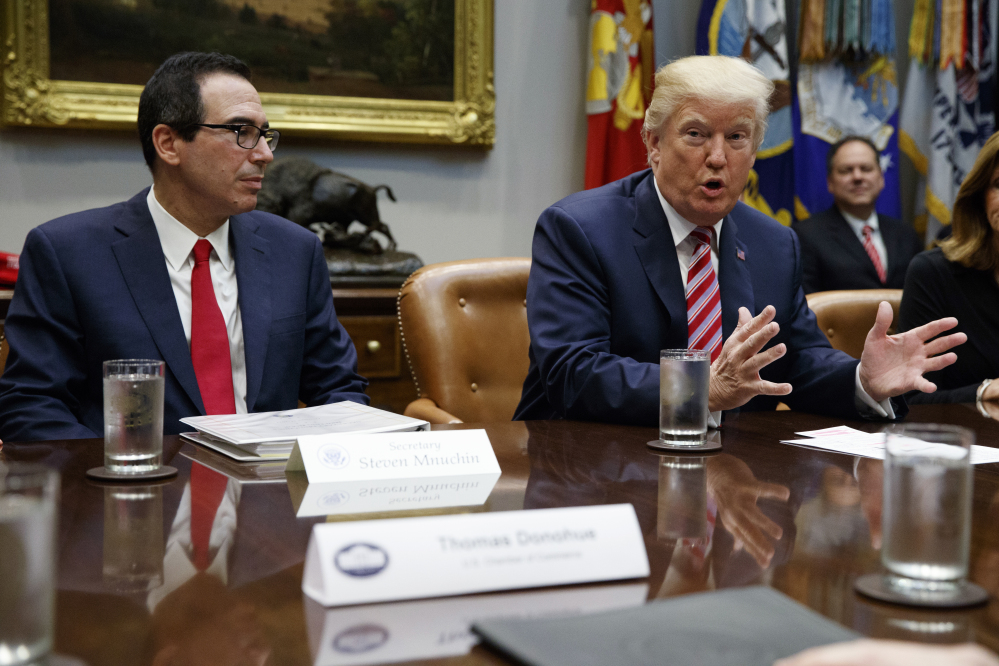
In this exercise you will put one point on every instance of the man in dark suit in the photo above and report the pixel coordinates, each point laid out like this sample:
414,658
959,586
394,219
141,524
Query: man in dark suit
850,246
669,258
236,302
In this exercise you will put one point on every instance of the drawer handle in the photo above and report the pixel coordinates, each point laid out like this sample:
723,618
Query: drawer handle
374,346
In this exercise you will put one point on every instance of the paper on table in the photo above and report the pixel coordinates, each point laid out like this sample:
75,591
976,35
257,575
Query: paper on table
844,439
292,423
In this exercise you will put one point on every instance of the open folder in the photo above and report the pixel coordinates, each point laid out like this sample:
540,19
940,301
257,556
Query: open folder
750,626
271,435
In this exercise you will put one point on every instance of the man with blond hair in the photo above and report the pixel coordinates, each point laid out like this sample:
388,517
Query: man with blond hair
669,258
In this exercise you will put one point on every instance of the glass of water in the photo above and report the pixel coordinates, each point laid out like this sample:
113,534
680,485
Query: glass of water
133,416
28,499
926,516
684,375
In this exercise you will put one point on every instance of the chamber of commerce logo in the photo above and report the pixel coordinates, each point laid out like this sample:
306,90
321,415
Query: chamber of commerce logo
361,560
335,498
362,638
333,456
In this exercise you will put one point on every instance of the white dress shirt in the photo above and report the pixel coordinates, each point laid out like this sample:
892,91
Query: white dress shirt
178,248
858,228
681,228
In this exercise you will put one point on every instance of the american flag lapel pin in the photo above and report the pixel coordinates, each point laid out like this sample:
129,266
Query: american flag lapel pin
740,254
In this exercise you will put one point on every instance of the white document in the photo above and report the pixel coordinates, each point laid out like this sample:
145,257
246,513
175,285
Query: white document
403,455
290,424
412,558
844,439
411,630
327,499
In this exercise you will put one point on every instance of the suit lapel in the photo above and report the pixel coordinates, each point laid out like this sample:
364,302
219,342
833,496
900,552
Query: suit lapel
253,278
143,266
657,254
734,280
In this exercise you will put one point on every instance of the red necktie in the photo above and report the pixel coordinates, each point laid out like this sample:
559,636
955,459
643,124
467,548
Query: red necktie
209,338
704,330
207,491
872,252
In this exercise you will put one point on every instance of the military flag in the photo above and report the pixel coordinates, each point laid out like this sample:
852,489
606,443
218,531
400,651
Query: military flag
846,85
620,75
952,60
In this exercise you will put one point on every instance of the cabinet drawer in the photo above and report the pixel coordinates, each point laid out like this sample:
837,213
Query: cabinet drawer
378,345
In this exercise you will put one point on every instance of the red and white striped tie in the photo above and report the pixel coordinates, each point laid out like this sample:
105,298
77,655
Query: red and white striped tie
704,328
872,252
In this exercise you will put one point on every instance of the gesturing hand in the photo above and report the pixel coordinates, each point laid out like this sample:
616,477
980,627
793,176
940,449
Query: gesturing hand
735,374
894,364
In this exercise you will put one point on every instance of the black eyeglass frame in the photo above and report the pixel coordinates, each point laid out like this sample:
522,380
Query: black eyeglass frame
271,136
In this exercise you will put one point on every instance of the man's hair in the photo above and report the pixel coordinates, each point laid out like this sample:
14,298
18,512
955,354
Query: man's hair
712,79
972,242
173,95
833,149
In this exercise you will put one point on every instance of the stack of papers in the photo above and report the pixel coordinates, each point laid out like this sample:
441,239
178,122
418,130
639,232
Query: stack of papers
844,439
272,435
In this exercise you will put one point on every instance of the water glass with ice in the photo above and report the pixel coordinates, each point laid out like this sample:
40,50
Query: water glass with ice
133,416
28,499
684,375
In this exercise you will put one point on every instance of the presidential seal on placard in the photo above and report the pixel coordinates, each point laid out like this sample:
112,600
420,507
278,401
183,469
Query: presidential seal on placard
334,457
361,560
362,638
333,499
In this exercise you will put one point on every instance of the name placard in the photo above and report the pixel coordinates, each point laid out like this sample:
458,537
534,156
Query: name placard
328,499
399,455
437,556
411,630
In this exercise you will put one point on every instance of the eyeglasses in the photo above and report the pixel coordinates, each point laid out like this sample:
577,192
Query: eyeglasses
247,136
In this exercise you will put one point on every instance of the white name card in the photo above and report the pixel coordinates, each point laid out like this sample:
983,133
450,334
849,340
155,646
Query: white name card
437,556
411,630
328,499
398,455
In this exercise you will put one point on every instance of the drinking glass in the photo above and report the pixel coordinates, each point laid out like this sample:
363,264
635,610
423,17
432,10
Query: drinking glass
926,517
133,416
684,375
28,499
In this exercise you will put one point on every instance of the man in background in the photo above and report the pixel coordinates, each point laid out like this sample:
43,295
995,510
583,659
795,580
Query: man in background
236,302
850,246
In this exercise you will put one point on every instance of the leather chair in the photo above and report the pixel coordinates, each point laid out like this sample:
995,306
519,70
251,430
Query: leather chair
5,296
847,316
464,333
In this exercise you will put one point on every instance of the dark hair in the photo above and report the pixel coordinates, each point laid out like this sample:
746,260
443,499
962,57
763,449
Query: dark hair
833,149
173,95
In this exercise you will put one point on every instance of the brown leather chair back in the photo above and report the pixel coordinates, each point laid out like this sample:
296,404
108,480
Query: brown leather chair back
5,296
847,316
464,331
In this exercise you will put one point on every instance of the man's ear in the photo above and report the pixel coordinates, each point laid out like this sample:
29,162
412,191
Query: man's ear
652,141
167,143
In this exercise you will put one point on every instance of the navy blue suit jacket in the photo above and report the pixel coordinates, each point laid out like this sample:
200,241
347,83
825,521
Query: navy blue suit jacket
605,296
94,286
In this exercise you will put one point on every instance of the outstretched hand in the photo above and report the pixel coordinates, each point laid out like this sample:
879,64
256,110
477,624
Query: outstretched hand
895,364
735,374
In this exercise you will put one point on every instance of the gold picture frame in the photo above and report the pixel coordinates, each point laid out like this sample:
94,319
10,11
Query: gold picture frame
31,99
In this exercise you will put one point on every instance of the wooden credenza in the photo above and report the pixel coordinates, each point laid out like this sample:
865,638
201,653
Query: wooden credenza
369,315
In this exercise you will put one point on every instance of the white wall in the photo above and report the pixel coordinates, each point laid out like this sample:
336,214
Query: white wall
453,203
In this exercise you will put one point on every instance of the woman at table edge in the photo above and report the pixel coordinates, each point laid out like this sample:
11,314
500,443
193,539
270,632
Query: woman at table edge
961,279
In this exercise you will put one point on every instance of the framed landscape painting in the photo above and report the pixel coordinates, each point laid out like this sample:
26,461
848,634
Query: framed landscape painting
373,70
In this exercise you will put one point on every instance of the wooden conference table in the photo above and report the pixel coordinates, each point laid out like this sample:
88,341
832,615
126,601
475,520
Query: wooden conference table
820,505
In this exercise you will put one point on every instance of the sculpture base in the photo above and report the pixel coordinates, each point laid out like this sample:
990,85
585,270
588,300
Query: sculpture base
347,265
